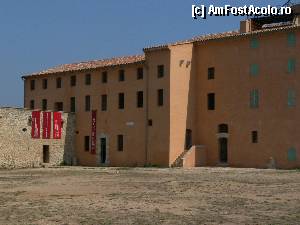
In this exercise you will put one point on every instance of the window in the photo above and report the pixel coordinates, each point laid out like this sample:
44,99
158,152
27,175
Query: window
211,73
188,139
72,104
88,79
86,143
44,104
58,106
223,128
211,101
150,123
104,102
45,83
160,71
254,43
104,77
291,98
87,103
121,75
254,98
254,136
32,104
32,84
140,99
160,97
121,100
291,65
120,142
140,73
58,82
46,154
292,154
291,39
73,81
254,69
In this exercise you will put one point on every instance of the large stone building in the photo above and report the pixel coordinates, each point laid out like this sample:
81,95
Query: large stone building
222,99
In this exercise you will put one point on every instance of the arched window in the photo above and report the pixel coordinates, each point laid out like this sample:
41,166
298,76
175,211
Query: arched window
223,128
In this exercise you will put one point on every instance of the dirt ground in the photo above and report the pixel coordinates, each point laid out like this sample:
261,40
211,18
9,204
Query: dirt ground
74,195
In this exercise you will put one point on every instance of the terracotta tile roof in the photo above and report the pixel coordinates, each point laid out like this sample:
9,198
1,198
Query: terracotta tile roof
91,65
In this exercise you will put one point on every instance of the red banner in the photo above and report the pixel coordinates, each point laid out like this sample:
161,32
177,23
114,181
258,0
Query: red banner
94,131
35,124
57,122
46,125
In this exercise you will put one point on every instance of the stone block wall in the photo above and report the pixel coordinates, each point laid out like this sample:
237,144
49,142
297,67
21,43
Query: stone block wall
19,150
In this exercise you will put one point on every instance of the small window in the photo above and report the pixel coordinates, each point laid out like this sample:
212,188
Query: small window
104,77
291,66
87,103
223,128
254,43
120,142
72,104
150,123
292,154
160,71
188,139
88,79
31,104
45,83
254,136
121,100
211,101
121,75
211,73
44,104
254,98
59,106
104,102
46,154
140,99
73,81
160,97
291,98
86,143
58,82
254,69
140,73
291,39
32,84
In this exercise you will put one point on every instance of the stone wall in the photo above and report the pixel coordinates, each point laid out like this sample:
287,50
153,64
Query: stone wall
19,150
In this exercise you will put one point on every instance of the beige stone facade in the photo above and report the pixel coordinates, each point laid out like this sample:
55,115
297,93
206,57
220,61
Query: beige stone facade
19,150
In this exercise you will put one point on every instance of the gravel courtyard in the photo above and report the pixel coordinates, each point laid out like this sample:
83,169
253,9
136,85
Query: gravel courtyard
74,195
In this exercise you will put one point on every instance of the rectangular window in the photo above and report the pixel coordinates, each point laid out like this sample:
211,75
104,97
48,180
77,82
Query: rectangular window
45,83
291,98
291,39
58,82
160,71
32,84
73,81
291,65
120,142
44,104
32,104
86,143
140,99
292,154
121,100
104,77
140,73
211,101
59,106
46,154
160,97
254,135
254,43
87,103
72,104
88,79
211,73
254,98
121,75
254,69
150,123
104,102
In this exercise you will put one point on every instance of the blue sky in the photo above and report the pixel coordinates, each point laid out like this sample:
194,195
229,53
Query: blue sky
38,34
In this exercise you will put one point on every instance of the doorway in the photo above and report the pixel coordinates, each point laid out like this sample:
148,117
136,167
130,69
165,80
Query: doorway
46,154
103,150
223,149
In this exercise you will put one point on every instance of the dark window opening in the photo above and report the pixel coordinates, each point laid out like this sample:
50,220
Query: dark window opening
211,101
140,73
160,71
121,75
140,99
160,97
254,137
211,73
73,81
32,104
223,128
59,106
150,123
121,101
46,154
188,139
72,104
120,142
86,143
32,84
58,82
44,104
45,83
88,79
104,102
87,103
104,77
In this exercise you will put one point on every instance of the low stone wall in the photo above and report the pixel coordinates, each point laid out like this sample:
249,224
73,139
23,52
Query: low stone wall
19,150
